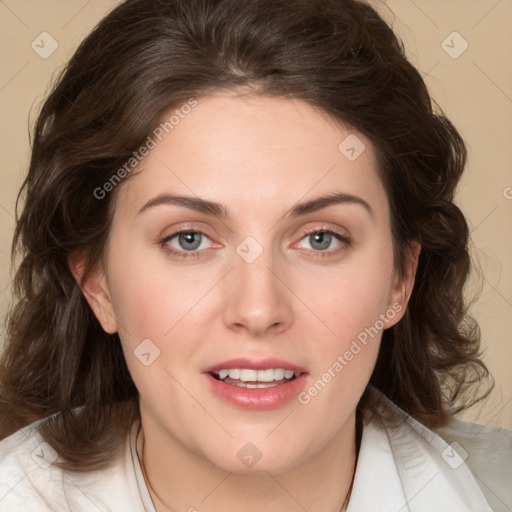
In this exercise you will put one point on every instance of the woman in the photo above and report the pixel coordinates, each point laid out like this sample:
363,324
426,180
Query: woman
242,271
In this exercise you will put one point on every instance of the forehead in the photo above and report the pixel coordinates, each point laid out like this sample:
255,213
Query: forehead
249,152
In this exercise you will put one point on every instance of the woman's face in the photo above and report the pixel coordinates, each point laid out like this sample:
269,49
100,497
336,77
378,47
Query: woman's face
287,265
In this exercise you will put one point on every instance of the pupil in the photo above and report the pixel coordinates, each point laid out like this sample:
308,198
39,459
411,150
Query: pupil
320,240
190,241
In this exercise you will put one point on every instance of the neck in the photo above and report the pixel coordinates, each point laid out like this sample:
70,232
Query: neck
179,479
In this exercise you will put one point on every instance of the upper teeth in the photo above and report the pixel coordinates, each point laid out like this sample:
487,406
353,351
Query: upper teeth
246,375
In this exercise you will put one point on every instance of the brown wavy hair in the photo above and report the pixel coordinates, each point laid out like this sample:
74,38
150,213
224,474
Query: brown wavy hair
146,57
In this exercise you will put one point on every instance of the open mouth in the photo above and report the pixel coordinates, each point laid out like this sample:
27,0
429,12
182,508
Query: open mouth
255,379
258,385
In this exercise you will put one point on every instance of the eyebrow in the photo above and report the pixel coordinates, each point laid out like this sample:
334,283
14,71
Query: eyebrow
220,211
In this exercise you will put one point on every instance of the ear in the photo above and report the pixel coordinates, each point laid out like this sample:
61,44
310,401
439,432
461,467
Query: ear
403,284
95,289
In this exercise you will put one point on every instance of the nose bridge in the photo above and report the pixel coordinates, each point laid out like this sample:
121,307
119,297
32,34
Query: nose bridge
258,300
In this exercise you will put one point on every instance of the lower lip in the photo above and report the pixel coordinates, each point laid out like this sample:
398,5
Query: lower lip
257,399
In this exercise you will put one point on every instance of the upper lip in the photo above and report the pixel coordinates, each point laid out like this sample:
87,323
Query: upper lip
254,364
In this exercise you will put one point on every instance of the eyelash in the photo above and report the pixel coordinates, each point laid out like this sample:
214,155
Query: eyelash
346,241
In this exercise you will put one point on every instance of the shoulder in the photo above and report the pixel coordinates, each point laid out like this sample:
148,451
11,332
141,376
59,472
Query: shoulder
425,470
23,458
487,451
31,480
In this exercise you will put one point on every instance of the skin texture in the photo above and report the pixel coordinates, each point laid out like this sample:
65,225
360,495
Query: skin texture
259,157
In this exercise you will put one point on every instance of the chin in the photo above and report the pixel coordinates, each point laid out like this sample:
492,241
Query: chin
257,458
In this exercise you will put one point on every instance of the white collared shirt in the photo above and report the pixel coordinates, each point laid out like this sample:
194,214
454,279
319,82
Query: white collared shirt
402,467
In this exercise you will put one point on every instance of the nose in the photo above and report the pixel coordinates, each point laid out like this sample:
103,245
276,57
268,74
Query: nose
258,300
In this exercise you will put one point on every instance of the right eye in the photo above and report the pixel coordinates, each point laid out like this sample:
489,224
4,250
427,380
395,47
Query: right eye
183,242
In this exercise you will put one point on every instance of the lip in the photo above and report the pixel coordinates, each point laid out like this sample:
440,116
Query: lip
256,399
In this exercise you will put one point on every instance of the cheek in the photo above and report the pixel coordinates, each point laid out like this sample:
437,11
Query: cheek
162,302
152,305
351,297
353,306
151,295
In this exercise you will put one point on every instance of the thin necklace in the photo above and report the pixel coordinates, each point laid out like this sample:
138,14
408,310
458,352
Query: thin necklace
359,435
147,480
342,509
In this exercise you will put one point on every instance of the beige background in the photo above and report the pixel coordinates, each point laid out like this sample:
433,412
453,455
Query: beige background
474,89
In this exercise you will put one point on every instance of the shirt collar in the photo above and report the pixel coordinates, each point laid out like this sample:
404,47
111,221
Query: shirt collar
404,467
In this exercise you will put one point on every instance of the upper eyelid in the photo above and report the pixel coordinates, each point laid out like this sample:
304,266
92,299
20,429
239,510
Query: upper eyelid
185,231
192,229
324,228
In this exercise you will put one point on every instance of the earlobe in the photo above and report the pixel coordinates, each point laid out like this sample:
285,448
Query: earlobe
95,289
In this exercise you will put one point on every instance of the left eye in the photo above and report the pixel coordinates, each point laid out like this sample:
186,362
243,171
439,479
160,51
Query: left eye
187,241
321,240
